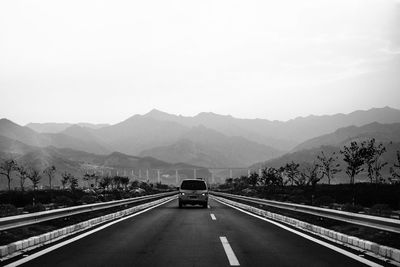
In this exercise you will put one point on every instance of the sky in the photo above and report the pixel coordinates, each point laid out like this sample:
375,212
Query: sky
104,61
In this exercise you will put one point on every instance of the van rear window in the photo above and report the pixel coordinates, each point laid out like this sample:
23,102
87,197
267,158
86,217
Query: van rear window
193,185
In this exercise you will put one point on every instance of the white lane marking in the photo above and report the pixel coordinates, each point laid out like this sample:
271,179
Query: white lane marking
233,261
213,217
209,206
323,243
66,242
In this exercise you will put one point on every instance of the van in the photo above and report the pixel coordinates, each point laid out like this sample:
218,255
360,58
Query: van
193,191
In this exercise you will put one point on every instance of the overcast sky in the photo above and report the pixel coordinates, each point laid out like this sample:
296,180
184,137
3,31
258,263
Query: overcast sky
103,61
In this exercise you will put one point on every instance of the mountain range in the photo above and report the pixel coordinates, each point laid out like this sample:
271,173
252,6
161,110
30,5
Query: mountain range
206,140
307,152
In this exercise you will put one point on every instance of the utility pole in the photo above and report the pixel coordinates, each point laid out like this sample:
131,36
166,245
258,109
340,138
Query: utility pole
230,173
177,177
194,174
158,177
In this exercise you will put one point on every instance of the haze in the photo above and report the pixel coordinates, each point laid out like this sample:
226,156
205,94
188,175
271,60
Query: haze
102,61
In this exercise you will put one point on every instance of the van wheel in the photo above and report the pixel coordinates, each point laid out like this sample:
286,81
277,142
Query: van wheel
180,205
205,206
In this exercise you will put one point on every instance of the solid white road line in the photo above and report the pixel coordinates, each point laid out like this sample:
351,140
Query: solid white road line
323,243
233,261
213,217
66,242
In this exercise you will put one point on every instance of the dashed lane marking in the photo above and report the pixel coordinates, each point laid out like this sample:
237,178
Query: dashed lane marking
233,261
213,217
323,243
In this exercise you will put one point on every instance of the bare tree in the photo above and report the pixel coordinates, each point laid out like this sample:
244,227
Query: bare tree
271,177
34,175
372,156
354,157
50,172
23,175
395,169
65,178
6,169
293,173
328,165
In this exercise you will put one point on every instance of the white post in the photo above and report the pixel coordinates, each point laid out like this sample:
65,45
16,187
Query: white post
177,177
194,174
230,173
158,177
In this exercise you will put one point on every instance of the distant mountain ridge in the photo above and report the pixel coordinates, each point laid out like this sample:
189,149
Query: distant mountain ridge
381,132
30,137
209,148
52,127
226,141
307,152
76,162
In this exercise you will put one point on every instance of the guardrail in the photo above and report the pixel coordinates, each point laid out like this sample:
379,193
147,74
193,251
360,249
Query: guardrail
386,224
38,217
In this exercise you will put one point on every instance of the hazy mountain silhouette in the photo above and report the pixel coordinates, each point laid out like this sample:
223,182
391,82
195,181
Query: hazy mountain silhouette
139,133
307,152
30,137
76,162
52,127
381,132
278,134
209,148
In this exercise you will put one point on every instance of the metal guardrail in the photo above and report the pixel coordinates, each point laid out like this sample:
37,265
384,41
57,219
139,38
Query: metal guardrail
386,224
38,217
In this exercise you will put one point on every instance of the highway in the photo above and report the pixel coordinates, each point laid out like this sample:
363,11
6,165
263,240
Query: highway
169,236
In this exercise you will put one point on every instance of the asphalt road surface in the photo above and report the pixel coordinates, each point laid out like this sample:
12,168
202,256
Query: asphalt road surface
169,236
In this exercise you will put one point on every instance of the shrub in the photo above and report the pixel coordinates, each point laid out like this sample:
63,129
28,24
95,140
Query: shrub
8,210
88,199
324,201
352,208
38,207
380,209
64,201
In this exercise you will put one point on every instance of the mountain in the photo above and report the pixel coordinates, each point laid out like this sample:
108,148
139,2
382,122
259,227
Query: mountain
381,132
139,133
30,137
307,152
278,134
79,162
209,148
52,127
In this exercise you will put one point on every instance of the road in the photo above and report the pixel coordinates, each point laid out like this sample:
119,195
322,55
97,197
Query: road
169,236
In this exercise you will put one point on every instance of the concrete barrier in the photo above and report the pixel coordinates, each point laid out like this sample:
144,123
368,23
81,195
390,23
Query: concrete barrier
386,252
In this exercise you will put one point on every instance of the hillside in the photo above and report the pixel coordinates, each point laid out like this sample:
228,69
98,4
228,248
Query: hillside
79,162
209,148
307,152
381,132
30,137
52,127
